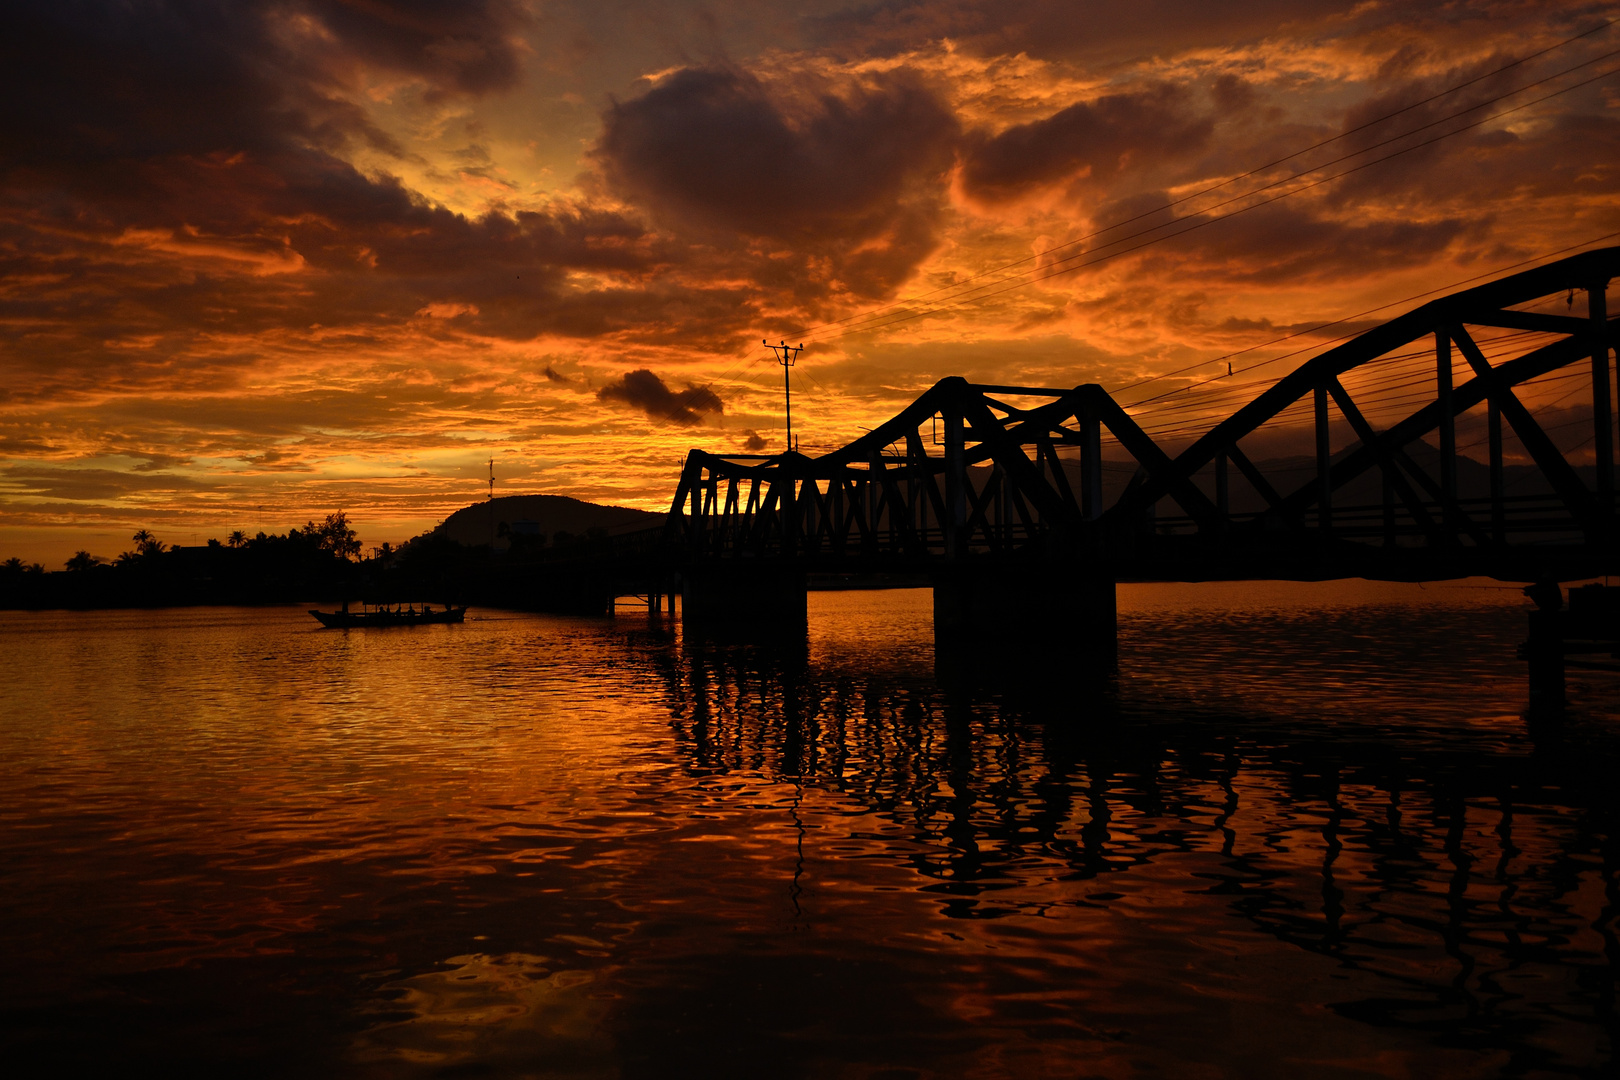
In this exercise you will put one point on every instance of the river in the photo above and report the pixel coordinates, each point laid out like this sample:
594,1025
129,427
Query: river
1306,832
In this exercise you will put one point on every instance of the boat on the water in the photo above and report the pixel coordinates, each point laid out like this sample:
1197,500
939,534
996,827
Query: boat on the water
409,615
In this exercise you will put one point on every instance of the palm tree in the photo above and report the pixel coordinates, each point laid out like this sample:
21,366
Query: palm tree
14,565
237,539
82,560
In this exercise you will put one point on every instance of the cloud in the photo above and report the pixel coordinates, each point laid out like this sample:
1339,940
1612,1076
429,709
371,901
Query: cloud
846,173
149,80
239,245
295,243
52,482
1103,35
472,46
14,447
717,147
641,389
1097,140
184,170
1288,243
1498,161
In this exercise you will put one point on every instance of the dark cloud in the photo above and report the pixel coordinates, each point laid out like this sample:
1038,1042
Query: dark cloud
468,46
25,447
1097,140
755,442
181,168
53,482
1290,243
1233,94
1444,157
851,173
1105,34
641,389
149,79
155,296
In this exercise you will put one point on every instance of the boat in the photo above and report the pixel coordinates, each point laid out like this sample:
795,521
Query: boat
410,615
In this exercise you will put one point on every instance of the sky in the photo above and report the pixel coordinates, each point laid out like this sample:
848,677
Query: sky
264,261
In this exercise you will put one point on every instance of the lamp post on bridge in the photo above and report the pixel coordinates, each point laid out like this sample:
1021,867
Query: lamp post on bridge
785,355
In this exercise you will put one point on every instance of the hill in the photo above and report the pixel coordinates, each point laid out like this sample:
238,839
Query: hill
543,517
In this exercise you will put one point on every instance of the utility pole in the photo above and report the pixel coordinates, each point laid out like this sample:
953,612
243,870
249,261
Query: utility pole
785,355
490,505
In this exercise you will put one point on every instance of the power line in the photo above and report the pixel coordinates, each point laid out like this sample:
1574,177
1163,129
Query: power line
1348,318
1170,398
1401,371
1338,322
1391,398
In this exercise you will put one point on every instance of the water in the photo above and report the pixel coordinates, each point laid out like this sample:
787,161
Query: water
1308,833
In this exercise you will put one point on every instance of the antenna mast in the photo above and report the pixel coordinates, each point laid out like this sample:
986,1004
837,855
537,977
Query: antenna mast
785,355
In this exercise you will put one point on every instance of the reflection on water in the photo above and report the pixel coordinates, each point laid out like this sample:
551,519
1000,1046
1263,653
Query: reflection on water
501,1013
1305,832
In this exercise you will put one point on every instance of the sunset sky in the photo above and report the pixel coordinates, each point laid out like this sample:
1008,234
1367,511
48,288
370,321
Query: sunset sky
263,261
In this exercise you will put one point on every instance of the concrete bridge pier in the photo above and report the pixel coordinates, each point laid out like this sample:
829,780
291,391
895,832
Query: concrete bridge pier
1064,616
1545,649
741,595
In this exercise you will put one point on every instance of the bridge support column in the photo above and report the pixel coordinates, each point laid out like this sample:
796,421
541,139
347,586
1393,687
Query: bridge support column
744,596
1045,614
1545,648
1602,410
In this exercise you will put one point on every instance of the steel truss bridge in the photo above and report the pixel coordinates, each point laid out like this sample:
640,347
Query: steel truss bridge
974,475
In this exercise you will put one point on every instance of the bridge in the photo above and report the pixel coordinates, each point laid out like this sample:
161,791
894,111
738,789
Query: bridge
1022,506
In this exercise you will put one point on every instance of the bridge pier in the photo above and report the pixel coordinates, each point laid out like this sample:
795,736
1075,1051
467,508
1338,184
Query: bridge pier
1544,648
739,594
1036,611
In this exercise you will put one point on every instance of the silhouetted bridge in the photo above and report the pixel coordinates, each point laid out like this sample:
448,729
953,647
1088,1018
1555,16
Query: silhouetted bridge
1023,506
1013,500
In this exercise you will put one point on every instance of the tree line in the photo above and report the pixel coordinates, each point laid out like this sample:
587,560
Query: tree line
319,559
334,535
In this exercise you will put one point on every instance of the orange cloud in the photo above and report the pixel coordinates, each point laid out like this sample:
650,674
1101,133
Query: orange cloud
258,261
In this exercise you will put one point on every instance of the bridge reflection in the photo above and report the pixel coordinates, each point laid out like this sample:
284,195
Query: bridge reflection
1457,888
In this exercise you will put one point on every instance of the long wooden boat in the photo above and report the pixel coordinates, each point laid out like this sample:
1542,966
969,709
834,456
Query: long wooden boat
334,620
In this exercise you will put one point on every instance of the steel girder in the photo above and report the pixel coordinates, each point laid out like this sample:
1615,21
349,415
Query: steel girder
975,471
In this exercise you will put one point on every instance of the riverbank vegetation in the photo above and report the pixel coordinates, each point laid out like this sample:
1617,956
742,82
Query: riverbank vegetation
315,561
320,561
